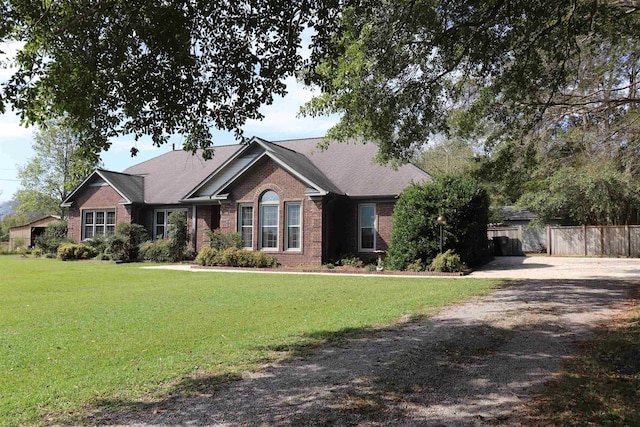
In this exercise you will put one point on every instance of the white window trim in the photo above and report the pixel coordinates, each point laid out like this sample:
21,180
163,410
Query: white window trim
286,227
261,226
240,224
93,226
375,227
166,211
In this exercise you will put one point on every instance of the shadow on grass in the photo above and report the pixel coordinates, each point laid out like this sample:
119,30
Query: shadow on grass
453,369
600,385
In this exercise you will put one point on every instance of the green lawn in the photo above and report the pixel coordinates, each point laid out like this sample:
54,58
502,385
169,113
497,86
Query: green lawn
77,334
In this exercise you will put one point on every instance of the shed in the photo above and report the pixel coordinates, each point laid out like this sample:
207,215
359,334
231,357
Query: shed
516,225
29,231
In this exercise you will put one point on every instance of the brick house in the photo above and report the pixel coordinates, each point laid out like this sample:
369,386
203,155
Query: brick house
301,204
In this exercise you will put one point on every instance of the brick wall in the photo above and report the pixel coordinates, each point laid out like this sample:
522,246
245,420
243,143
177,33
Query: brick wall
384,211
207,219
264,176
103,197
343,227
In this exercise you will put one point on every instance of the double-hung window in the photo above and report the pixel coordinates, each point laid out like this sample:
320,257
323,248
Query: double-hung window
98,223
293,220
269,212
245,225
367,227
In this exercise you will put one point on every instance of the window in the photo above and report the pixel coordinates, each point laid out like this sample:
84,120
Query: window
269,203
98,223
293,221
367,228
161,221
245,225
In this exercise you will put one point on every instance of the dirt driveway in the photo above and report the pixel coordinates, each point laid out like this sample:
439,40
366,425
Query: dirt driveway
473,364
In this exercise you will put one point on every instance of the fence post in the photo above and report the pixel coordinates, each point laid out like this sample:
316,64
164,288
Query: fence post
627,233
584,233
548,240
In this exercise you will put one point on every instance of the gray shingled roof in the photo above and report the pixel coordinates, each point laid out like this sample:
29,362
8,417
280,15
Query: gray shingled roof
130,186
351,169
303,166
171,176
342,169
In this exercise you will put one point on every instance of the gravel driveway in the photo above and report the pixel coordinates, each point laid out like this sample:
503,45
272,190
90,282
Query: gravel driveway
472,364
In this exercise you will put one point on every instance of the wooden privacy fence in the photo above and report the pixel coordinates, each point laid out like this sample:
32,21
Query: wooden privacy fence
594,240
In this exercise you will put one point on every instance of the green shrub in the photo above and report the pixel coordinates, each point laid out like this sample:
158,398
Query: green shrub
228,257
98,243
416,233
177,234
20,244
415,266
220,241
158,251
234,257
263,260
447,262
351,261
116,248
127,246
73,251
206,256
53,236
37,252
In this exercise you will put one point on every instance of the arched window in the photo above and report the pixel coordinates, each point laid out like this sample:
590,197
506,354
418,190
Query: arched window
269,214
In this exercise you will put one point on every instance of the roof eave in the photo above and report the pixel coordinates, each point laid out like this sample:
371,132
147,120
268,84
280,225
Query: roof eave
218,169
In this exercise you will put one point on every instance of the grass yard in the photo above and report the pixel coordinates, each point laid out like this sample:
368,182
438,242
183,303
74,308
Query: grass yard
74,335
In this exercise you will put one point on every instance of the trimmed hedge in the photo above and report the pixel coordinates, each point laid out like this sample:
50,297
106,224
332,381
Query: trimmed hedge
416,234
73,251
158,251
234,257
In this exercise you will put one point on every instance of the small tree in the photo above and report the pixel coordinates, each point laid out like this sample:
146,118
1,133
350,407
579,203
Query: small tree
177,234
416,235
54,235
125,244
56,168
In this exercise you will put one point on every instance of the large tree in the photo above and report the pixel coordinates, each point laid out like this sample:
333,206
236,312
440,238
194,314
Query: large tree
53,172
153,68
397,69
394,69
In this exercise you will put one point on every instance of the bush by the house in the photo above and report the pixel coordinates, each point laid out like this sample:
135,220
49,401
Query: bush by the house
75,251
125,244
158,251
219,241
206,256
351,261
98,243
53,236
234,257
415,266
177,234
416,234
447,262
